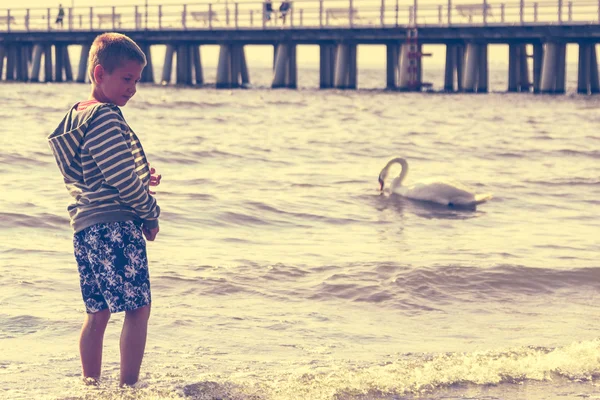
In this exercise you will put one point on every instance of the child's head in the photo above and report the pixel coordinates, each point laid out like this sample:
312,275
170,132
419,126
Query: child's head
115,65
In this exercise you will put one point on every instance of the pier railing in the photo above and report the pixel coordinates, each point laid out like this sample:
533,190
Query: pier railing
301,14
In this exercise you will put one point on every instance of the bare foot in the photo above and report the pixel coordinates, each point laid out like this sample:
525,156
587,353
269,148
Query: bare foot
89,381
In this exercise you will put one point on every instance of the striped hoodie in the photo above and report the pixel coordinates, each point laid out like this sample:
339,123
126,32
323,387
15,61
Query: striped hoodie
104,168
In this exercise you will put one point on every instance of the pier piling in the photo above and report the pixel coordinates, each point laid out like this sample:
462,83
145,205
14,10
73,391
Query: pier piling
285,68
231,65
327,65
518,71
83,63
148,72
391,65
168,65
587,77
553,68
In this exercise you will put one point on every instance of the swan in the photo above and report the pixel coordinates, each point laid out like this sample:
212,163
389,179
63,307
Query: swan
445,192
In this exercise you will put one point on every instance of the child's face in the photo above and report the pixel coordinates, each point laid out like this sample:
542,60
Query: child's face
119,86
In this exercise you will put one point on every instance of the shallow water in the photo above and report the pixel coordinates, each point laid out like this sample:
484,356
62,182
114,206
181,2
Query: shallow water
281,272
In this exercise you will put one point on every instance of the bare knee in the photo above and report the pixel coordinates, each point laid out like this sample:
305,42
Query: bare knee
98,320
140,314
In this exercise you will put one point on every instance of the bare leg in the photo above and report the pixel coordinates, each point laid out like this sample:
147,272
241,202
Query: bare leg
133,343
90,343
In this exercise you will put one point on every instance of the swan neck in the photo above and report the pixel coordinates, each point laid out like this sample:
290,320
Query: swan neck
404,171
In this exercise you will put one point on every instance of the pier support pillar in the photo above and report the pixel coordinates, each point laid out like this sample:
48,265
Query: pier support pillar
224,67
168,65
342,61
245,74
198,72
36,63
449,69
189,65
48,77
67,64
148,72
353,67
583,70
326,66
594,80
483,69
285,68
561,74
553,68
62,64
82,74
469,77
11,62
2,56
236,70
454,67
23,63
475,72
403,67
392,51
229,70
587,77
58,62
345,66
538,55
184,65
518,70
460,66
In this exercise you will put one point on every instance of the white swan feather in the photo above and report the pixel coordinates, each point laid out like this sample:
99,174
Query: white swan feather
441,191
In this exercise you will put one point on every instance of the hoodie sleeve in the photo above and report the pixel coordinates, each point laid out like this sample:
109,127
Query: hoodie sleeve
106,144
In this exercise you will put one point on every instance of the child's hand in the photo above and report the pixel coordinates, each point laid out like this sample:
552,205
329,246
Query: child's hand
154,179
150,234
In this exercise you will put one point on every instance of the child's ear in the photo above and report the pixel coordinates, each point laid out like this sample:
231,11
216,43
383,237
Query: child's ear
99,73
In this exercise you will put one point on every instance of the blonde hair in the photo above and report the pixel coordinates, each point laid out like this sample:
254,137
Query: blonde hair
111,50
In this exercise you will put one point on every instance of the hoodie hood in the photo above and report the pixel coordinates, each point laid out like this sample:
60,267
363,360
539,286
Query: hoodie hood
67,139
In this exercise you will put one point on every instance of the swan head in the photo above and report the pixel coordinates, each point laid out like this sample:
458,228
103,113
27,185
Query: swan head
382,177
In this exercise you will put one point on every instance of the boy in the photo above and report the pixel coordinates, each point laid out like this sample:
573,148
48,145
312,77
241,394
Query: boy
106,171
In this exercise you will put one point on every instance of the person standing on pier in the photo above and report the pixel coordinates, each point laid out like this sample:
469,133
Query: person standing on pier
106,171
268,10
284,8
60,16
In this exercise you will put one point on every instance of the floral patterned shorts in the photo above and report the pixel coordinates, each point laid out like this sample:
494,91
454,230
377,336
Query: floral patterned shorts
113,268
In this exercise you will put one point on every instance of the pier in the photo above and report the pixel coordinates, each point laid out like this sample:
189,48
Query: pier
33,46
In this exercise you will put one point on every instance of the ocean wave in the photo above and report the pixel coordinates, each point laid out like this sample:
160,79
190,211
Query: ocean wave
20,325
42,220
35,159
570,181
429,375
408,289
169,103
515,373
578,153
281,102
190,157
509,155
433,285
303,216
244,219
